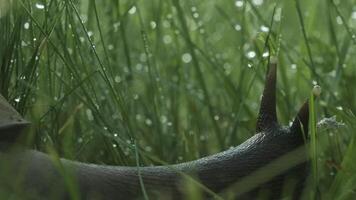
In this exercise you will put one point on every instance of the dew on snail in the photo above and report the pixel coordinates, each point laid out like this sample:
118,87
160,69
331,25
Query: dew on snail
237,27
117,79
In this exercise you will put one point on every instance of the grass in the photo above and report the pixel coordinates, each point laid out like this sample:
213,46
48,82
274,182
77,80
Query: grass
181,80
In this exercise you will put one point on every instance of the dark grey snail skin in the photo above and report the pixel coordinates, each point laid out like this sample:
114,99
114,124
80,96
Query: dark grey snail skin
217,172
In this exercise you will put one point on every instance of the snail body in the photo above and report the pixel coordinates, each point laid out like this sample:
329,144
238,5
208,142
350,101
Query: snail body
48,179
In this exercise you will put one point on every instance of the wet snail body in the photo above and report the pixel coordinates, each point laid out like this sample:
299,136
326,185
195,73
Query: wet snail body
44,178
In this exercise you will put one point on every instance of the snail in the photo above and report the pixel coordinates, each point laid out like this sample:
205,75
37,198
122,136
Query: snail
39,175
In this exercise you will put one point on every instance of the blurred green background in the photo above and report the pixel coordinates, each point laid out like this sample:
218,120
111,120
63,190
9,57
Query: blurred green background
180,79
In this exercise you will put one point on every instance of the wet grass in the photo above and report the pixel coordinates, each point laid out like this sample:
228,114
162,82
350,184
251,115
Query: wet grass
181,80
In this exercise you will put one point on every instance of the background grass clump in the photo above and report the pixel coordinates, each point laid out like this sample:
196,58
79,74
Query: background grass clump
178,80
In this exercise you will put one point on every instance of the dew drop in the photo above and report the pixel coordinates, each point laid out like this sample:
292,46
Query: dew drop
163,119
39,6
132,10
186,58
26,25
251,54
257,2
153,24
237,27
317,90
89,114
264,29
167,39
148,122
353,15
148,148
339,108
239,3
339,20
118,79
265,54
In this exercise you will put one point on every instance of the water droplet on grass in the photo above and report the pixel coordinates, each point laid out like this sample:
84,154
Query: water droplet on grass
251,54
257,2
186,58
118,79
39,6
132,10
237,27
26,25
89,114
167,39
264,29
239,3
148,122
